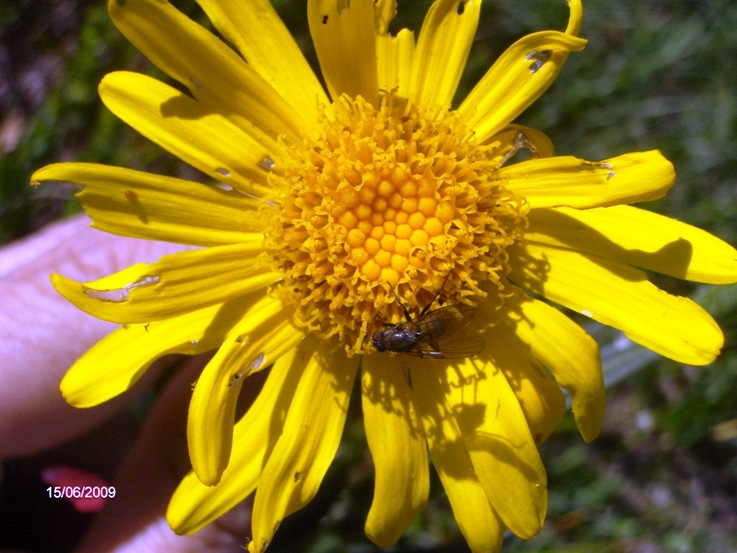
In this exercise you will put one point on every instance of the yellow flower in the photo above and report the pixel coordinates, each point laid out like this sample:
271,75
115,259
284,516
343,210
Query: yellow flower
334,211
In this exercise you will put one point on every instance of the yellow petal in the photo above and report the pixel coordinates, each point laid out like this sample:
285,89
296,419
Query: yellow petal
174,285
311,436
116,362
394,60
397,444
191,131
143,205
499,442
195,505
385,12
620,296
517,79
260,338
572,182
442,49
344,37
537,392
640,238
513,138
476,519
575,18
214,74
268,47
570,354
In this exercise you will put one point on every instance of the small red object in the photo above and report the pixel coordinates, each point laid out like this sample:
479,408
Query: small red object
80,487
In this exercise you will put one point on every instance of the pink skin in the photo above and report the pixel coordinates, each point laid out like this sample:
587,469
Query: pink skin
41,335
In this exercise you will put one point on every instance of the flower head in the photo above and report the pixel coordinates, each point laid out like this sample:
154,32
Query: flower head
338,214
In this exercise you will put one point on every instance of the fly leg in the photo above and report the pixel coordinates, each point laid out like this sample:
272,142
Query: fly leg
406,373
428,306
425,309
406,313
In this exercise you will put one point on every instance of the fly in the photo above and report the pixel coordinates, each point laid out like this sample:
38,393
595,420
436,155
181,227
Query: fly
436,334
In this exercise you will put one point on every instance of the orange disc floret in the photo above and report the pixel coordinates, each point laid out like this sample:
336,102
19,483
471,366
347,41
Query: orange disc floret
380,199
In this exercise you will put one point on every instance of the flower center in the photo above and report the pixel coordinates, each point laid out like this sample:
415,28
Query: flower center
388,203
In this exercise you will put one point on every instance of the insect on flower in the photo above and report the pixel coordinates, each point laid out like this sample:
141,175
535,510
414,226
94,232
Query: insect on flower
436,334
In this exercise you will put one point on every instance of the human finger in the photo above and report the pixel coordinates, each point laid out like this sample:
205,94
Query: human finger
134,521
41,334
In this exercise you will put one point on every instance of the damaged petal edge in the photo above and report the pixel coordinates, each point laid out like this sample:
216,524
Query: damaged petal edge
237,377
610,173
120,295
538,58
267,164
520,143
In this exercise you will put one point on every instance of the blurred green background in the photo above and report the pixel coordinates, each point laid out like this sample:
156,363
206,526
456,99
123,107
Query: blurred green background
655,75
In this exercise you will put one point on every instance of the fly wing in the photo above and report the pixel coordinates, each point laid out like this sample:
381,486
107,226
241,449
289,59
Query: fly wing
444,336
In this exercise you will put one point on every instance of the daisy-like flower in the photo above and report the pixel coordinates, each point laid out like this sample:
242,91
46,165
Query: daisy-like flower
334,211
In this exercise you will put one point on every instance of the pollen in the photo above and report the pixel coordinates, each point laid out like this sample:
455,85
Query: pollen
386,203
